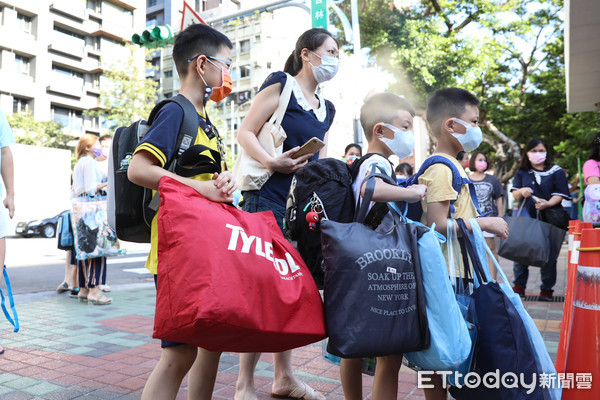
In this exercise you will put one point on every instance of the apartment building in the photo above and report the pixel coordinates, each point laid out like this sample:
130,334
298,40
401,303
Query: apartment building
50,55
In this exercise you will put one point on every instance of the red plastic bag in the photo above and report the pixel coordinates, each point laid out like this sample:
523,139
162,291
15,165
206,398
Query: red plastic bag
228,280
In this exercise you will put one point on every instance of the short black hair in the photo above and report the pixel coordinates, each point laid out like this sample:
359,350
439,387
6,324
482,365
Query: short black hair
525,164
448,103
351,145
382,107
404,168
105,137
194,40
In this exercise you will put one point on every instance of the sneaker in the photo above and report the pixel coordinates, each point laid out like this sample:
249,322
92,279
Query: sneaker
545,295
518,289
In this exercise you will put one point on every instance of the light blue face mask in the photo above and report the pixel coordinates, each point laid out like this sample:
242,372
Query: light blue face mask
471,139
402,144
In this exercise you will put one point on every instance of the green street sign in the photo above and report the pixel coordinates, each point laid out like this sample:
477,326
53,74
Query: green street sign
318,11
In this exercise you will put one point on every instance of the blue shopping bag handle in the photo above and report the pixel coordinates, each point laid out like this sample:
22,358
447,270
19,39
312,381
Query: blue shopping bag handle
11,300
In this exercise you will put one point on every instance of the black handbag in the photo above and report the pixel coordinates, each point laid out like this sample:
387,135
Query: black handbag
555,215
531,241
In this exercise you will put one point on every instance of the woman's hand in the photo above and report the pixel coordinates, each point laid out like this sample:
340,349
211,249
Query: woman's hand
285,164
526,192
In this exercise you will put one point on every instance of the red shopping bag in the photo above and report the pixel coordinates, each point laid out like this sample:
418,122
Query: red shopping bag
228,280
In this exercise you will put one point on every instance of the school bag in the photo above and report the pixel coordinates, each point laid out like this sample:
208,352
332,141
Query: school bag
591,206
414,211
322,189
131,208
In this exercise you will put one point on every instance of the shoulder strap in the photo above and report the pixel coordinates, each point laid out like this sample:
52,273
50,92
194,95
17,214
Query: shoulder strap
11,300
537,185
362,206
284,100
189,126
457,179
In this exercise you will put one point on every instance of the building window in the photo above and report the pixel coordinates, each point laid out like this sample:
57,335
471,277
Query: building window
169,74
20,105
268,64
257,38
24,23
68,72
155,19
68,118
94,5
66,32
244,71
168,95
245,46
151,3
23,64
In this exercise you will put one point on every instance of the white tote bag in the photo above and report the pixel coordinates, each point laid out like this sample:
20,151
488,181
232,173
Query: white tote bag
249,173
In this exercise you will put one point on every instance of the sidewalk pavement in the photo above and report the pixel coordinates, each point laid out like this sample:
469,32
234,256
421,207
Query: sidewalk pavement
70,350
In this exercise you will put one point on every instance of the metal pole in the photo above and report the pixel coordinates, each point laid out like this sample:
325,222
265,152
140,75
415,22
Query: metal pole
355,27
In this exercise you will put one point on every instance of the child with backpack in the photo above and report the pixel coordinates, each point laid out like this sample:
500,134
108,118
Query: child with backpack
452,115
203,59
387,121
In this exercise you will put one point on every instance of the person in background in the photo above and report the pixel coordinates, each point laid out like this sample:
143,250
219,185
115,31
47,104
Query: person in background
352,152
535,164
7,210
87,181
591,168
463,159
576,197
490,198
105,142
403,171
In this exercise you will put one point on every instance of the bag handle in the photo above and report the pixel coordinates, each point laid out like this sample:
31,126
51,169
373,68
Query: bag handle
11,300
479,236
284,100
469,252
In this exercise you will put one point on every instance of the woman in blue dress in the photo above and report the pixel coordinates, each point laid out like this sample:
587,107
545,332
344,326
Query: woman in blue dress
314,60
551,179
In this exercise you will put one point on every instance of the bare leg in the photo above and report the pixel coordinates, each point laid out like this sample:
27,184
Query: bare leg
165,380
491,242
244,388
437,392
385,385
201,381
284,380
351,374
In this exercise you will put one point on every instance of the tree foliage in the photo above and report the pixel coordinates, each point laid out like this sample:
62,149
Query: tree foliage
38,133
508,52
126,94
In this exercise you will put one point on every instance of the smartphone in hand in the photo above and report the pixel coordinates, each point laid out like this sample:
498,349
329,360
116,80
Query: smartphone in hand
312,146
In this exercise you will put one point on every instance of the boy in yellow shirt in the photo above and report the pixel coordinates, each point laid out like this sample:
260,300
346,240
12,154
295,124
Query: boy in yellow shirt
452,115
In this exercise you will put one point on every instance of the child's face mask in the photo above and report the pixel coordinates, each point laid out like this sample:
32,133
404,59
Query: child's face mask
403,142
471,139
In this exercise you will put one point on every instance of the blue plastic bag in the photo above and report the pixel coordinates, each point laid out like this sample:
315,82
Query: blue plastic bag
450,341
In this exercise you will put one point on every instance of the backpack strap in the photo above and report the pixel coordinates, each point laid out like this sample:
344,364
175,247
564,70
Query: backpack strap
11,300
457,180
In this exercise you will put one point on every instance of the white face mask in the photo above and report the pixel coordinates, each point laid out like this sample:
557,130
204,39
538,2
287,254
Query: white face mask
327,70
402,144
471,139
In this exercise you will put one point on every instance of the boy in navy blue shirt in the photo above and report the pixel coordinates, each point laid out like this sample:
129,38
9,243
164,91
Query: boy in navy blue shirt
203,59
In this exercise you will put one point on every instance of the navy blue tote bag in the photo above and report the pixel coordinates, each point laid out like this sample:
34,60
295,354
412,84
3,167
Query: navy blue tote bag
374,296
503,343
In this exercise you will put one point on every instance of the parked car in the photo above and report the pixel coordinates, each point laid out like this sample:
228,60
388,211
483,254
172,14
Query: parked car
44,227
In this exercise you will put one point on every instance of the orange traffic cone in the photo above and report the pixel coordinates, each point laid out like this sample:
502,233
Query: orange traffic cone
575,228
582,371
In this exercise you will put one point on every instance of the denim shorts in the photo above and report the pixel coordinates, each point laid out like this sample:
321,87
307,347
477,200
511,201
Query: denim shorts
254,202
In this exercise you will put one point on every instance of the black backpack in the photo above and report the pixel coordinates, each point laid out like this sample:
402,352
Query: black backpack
131,208
324,187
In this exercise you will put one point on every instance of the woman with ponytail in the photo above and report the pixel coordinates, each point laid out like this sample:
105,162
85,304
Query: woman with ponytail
314,60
